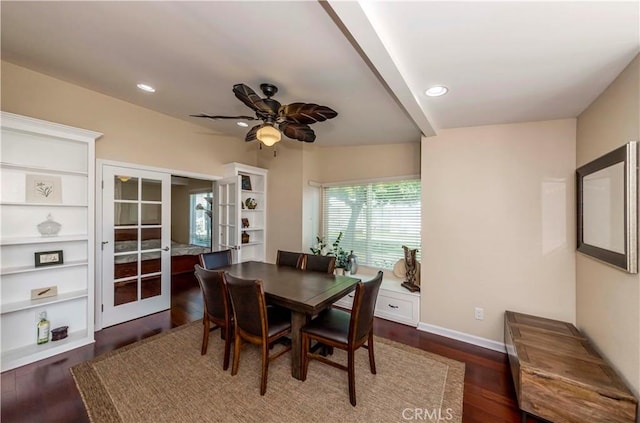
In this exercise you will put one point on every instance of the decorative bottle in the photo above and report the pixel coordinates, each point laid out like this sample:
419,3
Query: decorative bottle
43,328
352,259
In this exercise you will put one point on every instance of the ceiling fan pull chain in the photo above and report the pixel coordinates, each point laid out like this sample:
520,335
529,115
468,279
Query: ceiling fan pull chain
275,152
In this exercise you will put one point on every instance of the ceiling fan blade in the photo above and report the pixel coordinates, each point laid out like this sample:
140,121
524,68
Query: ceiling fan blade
306,113
215,117
251,99
298,131
251,135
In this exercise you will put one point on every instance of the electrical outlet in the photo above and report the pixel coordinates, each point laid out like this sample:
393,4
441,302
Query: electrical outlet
479,313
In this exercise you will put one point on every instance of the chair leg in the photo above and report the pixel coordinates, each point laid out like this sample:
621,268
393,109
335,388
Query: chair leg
205,337
236,355
352,377
227,347
305,356
372,359
265,368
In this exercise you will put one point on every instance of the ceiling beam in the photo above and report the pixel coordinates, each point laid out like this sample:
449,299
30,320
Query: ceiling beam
362,32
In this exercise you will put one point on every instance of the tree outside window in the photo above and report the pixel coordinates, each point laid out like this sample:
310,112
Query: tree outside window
376,219
200,219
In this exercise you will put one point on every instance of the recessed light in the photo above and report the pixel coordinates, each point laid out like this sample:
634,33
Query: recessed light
243,124
436,91
147,88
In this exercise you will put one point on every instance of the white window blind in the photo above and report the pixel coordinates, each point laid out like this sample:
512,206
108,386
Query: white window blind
376,219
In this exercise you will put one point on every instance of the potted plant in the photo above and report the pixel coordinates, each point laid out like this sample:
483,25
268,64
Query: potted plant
342,257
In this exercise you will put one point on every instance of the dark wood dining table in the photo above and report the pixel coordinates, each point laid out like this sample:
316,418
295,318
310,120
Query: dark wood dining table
304,293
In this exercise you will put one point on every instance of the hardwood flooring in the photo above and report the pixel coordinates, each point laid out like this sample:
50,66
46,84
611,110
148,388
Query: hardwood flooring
45,391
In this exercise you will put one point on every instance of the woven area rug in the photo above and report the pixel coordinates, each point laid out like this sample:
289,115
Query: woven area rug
165,379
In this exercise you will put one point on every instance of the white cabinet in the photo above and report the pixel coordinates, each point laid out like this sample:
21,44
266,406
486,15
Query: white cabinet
394,302
242,213
46,169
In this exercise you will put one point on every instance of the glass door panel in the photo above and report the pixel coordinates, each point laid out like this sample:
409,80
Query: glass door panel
136,263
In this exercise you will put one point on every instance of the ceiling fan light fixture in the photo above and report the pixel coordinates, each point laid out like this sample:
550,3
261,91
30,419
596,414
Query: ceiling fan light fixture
436,91
242,124
268,135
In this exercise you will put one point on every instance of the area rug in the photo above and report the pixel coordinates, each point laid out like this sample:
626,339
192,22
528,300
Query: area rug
165,379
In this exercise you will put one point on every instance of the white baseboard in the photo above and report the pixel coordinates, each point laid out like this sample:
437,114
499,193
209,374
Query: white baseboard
464,337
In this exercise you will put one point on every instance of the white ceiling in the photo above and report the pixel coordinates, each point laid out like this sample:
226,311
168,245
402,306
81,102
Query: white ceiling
370,61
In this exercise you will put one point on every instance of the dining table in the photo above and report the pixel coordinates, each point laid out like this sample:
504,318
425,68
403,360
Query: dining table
305,293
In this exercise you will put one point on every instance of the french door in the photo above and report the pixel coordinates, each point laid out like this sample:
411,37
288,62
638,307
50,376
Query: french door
227,232
136,243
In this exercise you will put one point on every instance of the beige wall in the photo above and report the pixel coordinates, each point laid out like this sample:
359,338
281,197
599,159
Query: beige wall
284,197
339,164
498,225
608,299
131,133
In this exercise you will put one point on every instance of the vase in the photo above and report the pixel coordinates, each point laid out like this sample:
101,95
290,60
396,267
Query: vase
352,259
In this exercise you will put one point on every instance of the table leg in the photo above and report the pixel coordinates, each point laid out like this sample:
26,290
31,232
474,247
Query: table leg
298,320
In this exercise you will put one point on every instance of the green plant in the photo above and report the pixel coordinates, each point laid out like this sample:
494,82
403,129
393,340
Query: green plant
321,248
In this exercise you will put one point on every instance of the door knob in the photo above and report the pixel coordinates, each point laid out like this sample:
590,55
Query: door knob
165,249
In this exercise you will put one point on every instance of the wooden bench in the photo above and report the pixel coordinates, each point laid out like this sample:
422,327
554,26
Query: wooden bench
558,375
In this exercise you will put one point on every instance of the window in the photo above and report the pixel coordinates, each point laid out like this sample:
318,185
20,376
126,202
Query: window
200,218
376,219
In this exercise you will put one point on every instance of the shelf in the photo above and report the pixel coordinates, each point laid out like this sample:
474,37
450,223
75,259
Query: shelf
67,154
252,229
249,191
252,210
251,243
27,269
14,203
30,353
42,169
43,239
27,304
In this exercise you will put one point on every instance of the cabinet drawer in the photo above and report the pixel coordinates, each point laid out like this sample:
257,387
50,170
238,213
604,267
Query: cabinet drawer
393,308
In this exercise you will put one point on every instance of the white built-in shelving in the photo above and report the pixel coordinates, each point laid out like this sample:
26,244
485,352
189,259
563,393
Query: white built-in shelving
254,178
49,150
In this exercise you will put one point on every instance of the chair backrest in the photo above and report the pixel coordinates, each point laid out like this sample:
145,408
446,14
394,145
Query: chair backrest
364,305
315,263
249,305
290,259
215,259
214,291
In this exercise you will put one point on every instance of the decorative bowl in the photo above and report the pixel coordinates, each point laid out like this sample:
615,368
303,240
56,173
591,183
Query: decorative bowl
49,227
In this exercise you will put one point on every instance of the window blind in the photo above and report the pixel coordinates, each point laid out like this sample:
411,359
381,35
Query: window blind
376,219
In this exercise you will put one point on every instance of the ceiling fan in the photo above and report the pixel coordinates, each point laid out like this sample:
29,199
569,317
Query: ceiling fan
292,120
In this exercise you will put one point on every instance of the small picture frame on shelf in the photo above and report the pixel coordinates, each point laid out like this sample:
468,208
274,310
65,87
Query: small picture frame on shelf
44,292
245,222
48,258
43,189
246,182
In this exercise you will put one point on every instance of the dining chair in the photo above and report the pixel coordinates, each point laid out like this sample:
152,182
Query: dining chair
346,331
215,259
316,263
290,259
217,309
255,323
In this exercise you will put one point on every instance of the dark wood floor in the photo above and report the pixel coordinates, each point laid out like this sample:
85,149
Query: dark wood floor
45,391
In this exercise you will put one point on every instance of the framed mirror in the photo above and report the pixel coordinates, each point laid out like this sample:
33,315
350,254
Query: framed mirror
607,208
